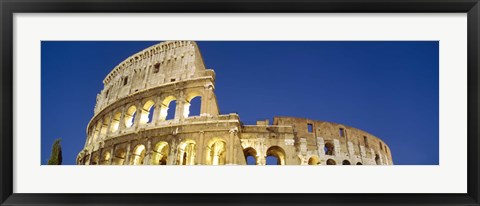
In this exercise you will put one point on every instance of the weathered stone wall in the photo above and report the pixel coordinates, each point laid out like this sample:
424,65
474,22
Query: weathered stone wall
130,125
350,144
160,64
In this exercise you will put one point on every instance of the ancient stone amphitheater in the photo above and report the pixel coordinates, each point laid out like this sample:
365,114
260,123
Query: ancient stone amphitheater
130,124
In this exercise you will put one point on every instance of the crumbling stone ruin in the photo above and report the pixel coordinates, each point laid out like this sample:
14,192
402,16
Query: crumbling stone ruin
130,125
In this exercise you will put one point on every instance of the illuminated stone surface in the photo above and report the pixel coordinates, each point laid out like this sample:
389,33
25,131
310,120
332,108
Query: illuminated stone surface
130,125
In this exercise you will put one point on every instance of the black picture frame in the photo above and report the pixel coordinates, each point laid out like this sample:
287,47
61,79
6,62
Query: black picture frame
10,7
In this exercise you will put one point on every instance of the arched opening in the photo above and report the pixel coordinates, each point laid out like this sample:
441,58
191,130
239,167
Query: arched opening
346,162
138,155
186,153
169,103
115,122
147,112
119,157
275,156
359,163
216,152
160,153
313,160
271,160
377,159
331,162
104,129
342,132
95,159
130,116
329,148
250,156
105,158
192,105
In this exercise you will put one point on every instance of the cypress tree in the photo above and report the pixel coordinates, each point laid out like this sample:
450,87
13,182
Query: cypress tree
56,156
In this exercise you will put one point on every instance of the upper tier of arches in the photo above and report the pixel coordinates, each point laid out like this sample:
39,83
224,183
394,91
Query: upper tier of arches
161,64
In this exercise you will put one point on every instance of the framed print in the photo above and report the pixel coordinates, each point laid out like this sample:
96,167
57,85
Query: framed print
253,103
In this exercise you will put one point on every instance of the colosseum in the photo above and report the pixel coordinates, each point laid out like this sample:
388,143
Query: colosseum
130,124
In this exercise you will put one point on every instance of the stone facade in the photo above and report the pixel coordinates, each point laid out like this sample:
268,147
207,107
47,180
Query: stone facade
130,125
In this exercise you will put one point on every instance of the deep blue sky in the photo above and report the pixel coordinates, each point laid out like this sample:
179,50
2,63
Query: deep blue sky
389,89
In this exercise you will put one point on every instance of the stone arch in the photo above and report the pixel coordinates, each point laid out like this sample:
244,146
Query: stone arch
138,155
329,148
165,106
147,111
106,156
95,158
130,116
346,162
331,162
377,159
216,152
119,156
115,122
359,163
186,153
189,101
314,160
160,153
250,154
278,153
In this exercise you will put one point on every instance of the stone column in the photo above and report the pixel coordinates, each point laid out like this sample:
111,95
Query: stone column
372,154
191,154
112,155
100,157
320,147
200,148
172,153
156,113
351,150
109,126
138,115
179,110
363,153
121,125
148,153
261,160
206,99
337,150
127,155
147,72
230,143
